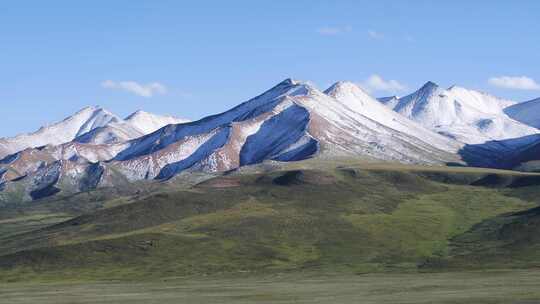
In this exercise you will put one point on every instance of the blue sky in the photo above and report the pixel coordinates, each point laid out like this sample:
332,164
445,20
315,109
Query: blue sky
194,58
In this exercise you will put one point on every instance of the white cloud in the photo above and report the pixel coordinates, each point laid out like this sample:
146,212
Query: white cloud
333,31
514,82
144,90
375,35
377,83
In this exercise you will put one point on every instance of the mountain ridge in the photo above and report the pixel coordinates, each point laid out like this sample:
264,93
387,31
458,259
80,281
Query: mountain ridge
469,116
79,125
291,121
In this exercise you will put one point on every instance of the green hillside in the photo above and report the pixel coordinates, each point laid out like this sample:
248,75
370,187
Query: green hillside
310,216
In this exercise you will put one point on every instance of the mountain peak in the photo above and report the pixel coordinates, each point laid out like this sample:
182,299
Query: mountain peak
430,85
288,82
149,122
83,121
141,114
137,113
88,109
457,112
340,85
457,89
92,111
343,87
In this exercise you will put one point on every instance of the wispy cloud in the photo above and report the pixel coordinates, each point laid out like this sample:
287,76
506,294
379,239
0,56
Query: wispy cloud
514,82
144,90
334,30
377,83
375,35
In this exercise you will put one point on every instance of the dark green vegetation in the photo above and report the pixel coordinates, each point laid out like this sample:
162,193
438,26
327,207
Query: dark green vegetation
309,217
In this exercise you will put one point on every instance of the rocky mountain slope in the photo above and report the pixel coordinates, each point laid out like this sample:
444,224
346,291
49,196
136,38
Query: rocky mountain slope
292,121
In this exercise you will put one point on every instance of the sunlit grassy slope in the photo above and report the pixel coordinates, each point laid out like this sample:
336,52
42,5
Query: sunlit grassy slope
309,216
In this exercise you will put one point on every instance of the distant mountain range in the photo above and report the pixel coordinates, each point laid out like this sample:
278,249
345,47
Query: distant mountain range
290,122
90,125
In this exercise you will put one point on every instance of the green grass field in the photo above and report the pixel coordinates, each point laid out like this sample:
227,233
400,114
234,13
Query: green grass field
337,220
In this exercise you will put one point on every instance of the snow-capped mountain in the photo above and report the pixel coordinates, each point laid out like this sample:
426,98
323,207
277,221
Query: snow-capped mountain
354,98
68,129
468,116
148,122
112,133
290,122
526,112
89,125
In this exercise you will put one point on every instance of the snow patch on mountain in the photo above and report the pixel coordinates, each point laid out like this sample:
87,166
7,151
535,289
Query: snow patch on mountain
148,166
172,133
275,135
468,116
358,102
135,125
147,122
81,122
113,133
91,125
291,121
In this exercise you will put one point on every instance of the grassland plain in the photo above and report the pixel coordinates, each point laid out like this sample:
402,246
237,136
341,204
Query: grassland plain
316,218
493,287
